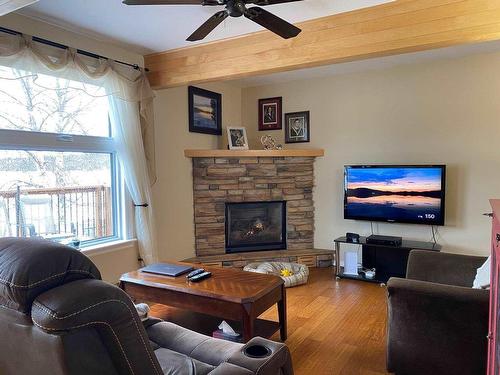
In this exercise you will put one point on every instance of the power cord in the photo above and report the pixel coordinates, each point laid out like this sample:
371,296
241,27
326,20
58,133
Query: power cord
433,231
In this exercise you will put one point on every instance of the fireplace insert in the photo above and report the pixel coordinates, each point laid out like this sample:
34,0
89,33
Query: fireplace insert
255,226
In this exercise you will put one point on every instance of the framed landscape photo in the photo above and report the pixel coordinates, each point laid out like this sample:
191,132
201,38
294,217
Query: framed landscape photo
297,127
237,138
270,114
205,111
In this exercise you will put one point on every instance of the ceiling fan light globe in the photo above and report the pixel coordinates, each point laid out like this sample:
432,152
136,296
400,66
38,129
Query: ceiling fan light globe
236,8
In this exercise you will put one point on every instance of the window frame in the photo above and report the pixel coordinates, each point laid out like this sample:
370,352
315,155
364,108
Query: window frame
23,140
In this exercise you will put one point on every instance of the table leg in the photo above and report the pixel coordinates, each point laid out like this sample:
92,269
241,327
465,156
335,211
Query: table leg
337,260
248,322
282,314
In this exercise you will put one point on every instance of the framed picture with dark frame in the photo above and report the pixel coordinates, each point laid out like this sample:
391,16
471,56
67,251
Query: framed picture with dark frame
205,111
297,127
270,114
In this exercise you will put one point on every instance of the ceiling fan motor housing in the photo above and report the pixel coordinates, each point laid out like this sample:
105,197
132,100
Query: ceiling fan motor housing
235,8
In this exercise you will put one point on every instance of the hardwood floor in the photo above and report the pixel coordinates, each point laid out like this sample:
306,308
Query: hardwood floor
334,327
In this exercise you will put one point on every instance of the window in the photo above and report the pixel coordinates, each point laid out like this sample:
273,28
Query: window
58,175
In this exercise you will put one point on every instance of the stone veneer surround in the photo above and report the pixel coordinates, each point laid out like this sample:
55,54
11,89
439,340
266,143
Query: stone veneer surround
252,179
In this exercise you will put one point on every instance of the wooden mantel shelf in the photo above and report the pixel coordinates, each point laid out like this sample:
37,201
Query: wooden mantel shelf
253,153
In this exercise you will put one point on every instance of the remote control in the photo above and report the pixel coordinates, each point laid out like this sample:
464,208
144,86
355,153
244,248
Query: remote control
200,277
195,272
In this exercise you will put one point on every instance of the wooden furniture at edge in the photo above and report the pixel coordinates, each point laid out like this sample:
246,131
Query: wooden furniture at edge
494,333
229,294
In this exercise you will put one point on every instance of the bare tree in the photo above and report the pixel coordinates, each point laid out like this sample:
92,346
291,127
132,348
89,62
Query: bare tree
27,105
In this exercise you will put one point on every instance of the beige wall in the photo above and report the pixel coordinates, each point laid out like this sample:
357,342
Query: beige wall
117,260
441,112
173,192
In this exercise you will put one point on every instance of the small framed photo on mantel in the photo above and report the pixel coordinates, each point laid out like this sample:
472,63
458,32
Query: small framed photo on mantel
237,138
205,111
297,127
270,114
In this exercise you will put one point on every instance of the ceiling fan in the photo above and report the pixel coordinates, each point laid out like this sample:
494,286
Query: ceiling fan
234,8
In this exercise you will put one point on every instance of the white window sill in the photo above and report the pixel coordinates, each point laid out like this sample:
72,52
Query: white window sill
109,247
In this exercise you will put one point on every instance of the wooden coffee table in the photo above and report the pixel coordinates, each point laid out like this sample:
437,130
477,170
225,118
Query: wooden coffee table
229,294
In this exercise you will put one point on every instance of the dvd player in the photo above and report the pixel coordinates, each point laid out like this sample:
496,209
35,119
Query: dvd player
376,239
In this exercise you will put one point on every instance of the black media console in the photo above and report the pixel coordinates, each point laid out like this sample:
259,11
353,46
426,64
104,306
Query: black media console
389,261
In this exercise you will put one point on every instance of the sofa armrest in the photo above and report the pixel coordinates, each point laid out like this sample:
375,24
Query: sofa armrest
106,308
278,362
443,268
220,353
193,344
227,355
435,328
229,369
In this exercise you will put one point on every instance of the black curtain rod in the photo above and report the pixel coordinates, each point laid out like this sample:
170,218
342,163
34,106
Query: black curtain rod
62,46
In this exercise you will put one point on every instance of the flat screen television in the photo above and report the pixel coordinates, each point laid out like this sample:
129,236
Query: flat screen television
395,193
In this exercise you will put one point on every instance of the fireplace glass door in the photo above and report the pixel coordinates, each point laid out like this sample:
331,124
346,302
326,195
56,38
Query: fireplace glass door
255,226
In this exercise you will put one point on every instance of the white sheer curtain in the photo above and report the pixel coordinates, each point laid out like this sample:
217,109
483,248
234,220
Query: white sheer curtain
130,101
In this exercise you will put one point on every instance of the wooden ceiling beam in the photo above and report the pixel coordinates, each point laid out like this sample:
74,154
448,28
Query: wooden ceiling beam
402,26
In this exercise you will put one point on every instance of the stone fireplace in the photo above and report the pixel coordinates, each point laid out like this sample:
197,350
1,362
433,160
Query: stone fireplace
255,226
224,181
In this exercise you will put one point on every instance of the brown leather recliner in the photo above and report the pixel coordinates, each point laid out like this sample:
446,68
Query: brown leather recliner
57,317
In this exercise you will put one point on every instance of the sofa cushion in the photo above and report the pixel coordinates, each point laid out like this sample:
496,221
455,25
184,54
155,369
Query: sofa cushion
173,363
29,267
200,347
482,279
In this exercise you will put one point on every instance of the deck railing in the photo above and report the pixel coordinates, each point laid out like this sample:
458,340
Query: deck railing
83,212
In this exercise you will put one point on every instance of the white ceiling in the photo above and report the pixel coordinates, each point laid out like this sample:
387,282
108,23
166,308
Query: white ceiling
7,6
147,29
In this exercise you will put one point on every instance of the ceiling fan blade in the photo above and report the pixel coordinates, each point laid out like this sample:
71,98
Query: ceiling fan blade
208,26
270,2
271,22
170,2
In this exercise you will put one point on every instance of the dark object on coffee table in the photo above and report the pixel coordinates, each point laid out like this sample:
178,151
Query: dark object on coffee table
200,277
167,269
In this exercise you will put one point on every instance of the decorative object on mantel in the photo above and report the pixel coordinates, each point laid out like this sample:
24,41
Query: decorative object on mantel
297,127
205,111
269,143
270,114
237,138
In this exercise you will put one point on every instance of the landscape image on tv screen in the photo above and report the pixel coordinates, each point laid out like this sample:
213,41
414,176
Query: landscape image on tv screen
400,194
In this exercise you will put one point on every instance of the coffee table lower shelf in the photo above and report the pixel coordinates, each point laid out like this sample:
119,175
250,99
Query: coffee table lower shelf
207,324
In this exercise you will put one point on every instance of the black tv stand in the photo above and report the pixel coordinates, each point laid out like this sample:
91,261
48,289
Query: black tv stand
389,261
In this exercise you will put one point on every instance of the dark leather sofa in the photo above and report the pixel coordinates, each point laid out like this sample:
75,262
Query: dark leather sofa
437,323
57,317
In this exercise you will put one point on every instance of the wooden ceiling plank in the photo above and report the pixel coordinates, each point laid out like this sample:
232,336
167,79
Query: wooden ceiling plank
360,40
387,23
342,19
345,18
380,31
